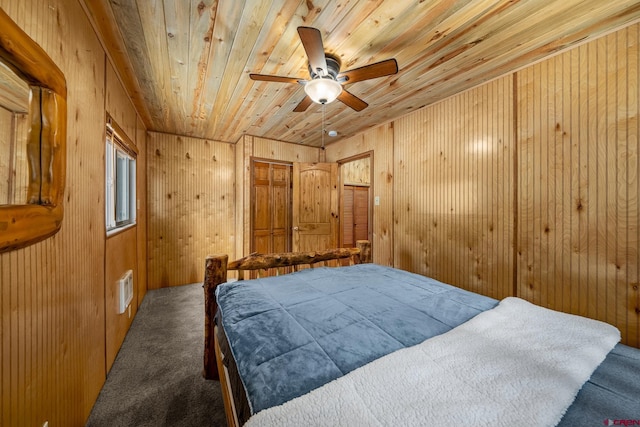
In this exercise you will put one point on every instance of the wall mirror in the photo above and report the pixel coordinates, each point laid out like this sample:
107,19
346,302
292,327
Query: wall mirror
33,122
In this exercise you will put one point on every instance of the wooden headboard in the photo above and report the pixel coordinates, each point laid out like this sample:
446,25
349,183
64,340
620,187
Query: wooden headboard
215,273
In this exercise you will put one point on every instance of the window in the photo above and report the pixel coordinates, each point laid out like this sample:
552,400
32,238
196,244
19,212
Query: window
120,182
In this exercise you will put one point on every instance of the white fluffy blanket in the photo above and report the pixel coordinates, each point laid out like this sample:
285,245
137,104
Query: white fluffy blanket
517,364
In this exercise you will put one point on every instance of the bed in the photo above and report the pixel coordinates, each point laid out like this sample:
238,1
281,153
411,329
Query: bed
364,344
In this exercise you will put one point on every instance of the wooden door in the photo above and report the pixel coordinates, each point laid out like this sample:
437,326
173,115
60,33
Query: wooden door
315,206
271,207
355,215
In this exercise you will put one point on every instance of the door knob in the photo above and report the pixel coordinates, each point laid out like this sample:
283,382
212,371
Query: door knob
295,229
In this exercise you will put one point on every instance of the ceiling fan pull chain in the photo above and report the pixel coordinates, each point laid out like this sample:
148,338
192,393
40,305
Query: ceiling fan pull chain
324,106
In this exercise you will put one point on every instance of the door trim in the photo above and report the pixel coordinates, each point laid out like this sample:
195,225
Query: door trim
340,162
252,161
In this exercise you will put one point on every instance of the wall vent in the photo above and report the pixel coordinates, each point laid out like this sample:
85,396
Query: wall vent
125,289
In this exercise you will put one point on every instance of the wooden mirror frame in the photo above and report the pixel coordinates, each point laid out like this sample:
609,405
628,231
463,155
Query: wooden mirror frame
41,216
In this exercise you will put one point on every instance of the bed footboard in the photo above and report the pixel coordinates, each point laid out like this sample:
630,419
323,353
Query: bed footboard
216,267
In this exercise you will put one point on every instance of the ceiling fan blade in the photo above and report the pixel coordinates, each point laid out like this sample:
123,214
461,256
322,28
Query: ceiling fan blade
379,69
312,42
352,101
268,78
303,105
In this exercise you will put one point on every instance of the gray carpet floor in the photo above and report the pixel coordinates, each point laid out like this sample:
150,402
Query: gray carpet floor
156,379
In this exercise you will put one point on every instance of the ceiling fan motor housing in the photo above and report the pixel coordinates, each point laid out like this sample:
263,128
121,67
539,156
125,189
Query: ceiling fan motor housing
333,67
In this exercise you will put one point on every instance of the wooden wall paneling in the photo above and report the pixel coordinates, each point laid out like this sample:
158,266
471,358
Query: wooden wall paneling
501,125
436,219
84,237
121,256
141,192
52,296
633,189
383,184
579,182
541,218
578,162
525,146
574,174
448,172
612,201
541,168
284,151
356,172
405,128
122,249
119,106
380,140
240,190
599,111
617,201
560,156
191,205
245,208
625,107
504,182
566,171
590,200
451,191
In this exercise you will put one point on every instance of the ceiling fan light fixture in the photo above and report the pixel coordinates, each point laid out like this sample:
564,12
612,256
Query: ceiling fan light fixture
323,90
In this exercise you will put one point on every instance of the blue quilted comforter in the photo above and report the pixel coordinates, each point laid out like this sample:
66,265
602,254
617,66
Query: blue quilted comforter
291,334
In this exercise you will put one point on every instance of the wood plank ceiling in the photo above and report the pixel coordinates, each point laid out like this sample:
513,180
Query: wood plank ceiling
186,63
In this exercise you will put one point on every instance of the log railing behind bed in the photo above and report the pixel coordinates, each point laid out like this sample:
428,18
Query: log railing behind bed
216,267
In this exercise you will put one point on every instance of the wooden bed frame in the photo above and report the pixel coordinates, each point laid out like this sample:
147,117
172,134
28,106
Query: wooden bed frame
216,268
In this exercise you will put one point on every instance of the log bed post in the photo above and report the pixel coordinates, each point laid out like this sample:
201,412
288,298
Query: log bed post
215,273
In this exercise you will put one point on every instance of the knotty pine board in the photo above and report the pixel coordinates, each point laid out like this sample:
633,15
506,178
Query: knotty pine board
578,147
453,190
191,204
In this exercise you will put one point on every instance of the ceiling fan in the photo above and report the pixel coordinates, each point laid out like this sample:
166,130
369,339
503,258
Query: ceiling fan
326,83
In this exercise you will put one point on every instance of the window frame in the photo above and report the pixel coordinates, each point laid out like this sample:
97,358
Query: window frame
118,150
